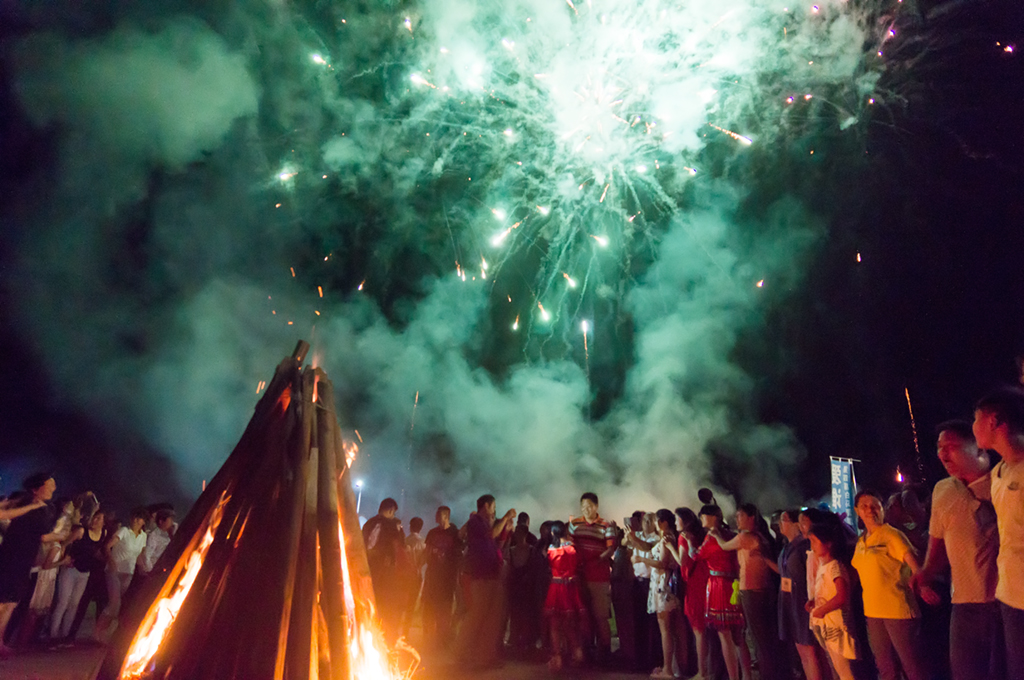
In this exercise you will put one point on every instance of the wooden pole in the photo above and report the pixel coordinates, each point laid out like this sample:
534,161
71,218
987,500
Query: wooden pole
332,599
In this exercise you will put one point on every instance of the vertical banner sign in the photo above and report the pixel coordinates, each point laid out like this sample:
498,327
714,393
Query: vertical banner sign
844,488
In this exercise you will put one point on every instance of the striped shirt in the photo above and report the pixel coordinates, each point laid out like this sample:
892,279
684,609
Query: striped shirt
591,539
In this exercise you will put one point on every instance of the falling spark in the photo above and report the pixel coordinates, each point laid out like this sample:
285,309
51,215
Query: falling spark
858,257
408,24
899,476
361,284
358,436
605,192
913,423
515,325
544,314
584,326
500,214
500,237
760,284
318,59
543,210
601,240
260,386
415,403
320,289
420,80
293,271
735,135
571,281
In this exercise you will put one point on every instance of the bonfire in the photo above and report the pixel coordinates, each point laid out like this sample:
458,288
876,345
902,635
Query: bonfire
267,575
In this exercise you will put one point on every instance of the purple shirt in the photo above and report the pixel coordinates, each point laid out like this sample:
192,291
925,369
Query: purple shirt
483,559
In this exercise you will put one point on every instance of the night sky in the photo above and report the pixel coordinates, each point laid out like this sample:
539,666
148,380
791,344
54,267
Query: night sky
182,180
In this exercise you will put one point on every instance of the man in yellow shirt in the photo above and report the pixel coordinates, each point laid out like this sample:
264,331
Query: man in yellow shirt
884,559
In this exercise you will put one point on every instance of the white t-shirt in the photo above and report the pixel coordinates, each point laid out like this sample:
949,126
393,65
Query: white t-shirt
156,544
964,520
1008,499
127,550
833,630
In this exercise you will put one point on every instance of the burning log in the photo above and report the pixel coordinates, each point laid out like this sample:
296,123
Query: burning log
267,575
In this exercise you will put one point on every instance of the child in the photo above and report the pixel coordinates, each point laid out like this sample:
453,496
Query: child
563,606
831,612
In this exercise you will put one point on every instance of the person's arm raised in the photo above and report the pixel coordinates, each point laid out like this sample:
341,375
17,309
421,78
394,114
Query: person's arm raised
15,513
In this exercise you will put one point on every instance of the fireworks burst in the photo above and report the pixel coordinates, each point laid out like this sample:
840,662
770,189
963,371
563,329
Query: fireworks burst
582,124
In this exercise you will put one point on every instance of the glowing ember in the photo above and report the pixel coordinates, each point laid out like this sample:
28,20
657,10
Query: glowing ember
162,614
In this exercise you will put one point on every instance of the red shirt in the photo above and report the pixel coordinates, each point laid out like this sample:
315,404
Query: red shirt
564,561
591,539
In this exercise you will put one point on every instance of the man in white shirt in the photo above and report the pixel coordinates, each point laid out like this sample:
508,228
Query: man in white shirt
157,540
963,536
999,426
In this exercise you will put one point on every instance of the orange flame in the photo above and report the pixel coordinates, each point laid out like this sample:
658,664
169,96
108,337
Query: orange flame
162,614
351,451
367,649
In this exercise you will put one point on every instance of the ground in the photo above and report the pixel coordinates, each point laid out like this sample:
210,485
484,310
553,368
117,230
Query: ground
82,663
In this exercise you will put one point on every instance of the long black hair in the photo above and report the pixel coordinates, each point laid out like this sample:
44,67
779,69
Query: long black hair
691,524
558,532
666,515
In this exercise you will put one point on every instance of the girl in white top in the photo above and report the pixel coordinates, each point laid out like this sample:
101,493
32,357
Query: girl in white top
831,612
123,551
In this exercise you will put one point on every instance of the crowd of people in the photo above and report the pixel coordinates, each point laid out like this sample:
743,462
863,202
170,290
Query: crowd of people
911,587
59,557
908,588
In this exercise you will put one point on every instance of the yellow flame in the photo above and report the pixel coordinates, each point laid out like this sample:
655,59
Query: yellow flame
367,653
162,614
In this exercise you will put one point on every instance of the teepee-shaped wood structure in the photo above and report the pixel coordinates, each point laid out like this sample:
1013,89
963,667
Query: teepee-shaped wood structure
266,578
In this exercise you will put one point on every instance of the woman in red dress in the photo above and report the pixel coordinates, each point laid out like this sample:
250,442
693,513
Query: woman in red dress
563,606
695,573
723,609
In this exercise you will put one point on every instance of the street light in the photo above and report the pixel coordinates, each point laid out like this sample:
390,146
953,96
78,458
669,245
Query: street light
359,494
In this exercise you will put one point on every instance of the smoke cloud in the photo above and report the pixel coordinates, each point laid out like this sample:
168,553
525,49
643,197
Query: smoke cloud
523,237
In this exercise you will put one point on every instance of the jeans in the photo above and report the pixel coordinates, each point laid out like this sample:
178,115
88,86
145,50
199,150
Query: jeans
1013,630
70,587
117,584
890,638
976,646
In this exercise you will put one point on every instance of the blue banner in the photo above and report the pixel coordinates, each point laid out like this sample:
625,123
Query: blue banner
844,488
